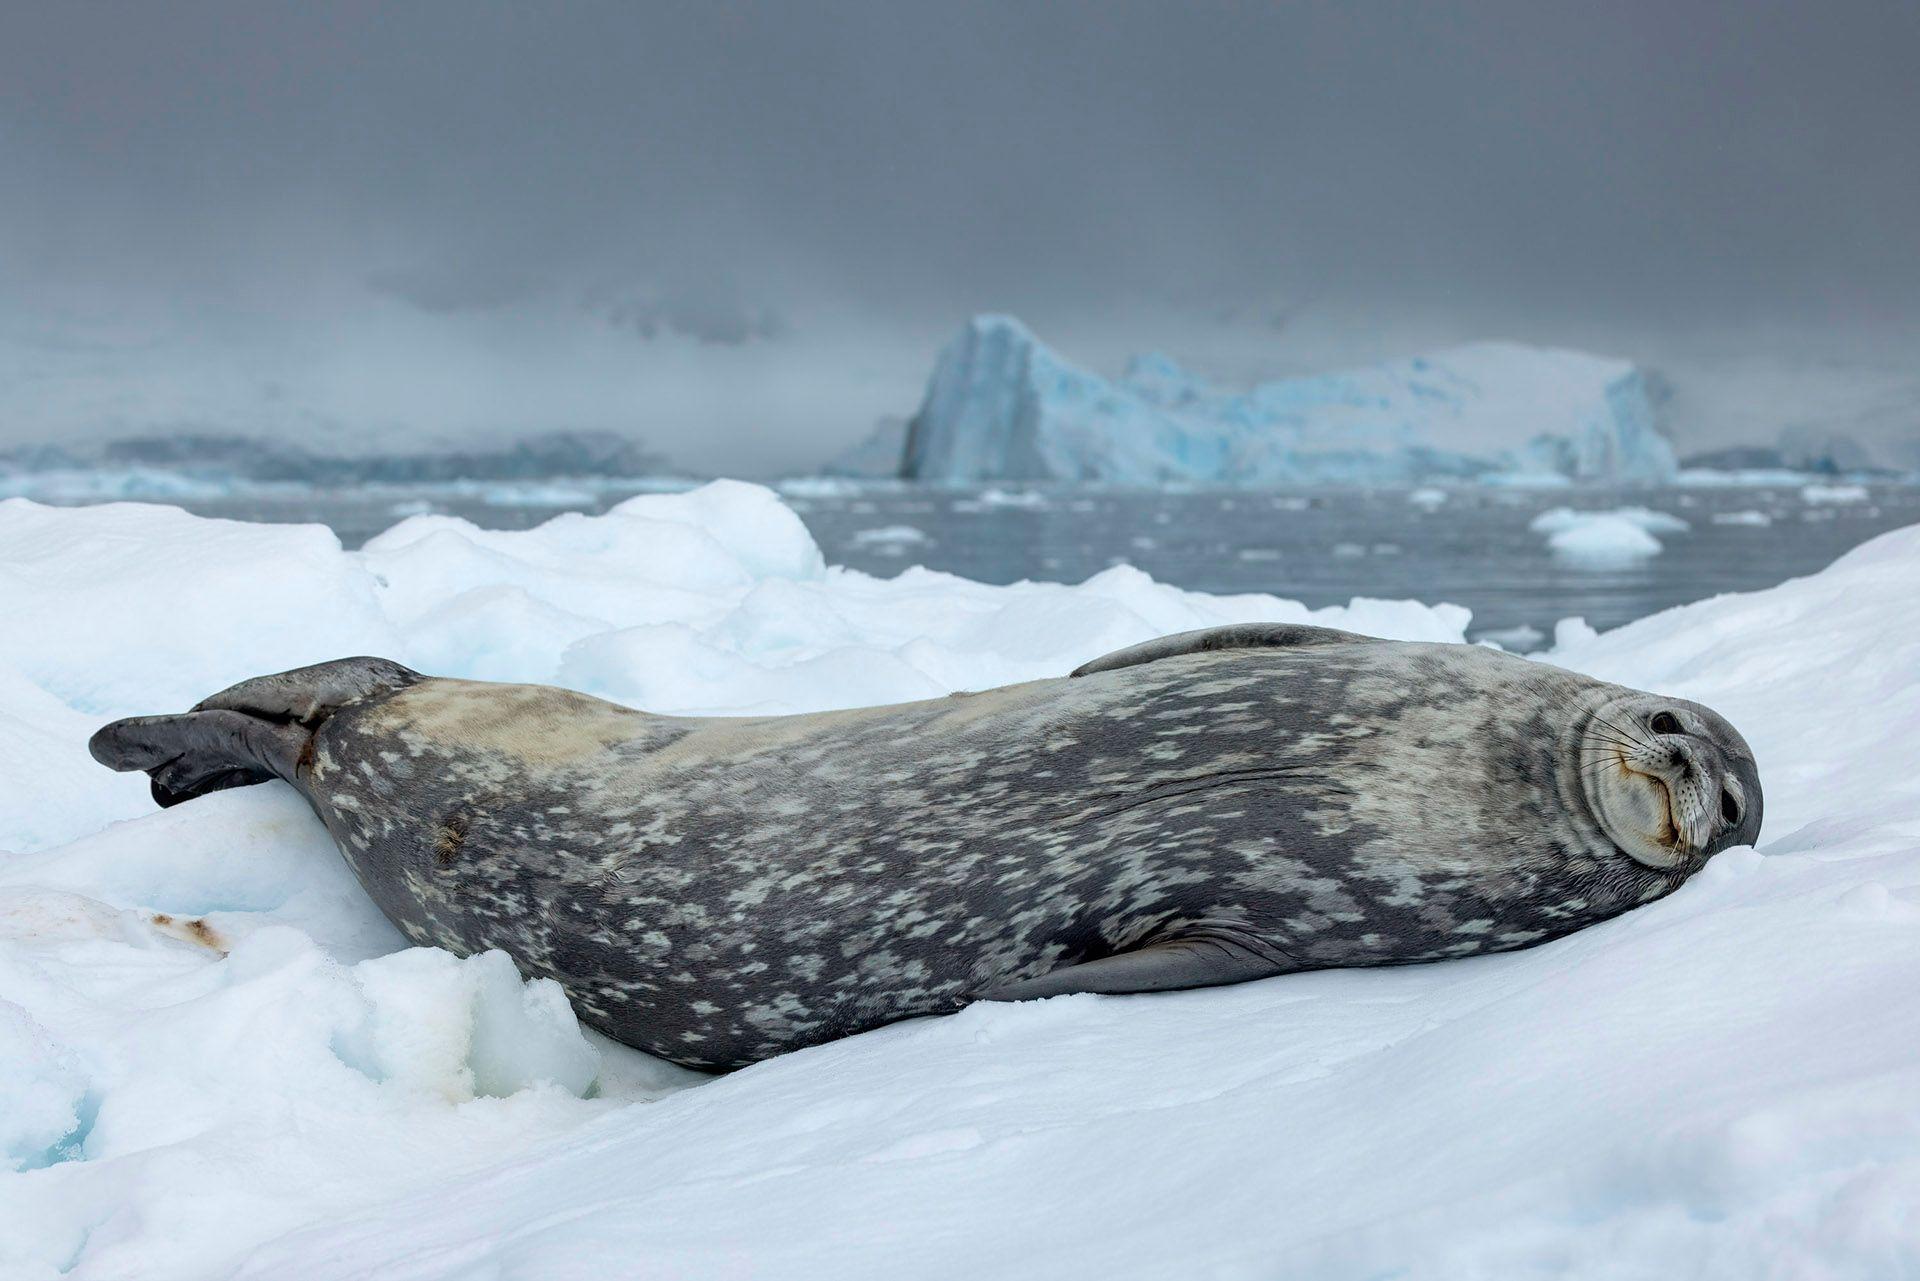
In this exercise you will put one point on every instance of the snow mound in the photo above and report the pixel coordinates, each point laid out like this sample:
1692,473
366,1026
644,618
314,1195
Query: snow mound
217,1060
1002,406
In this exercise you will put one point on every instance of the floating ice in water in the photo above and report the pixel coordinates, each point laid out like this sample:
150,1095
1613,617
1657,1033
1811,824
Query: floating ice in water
290,1091
821,486
1427,497
1757,519
96,485
1519,639
1603,539
538,493
410,507
894,539
1833,494
992,498
1745,478
1559,519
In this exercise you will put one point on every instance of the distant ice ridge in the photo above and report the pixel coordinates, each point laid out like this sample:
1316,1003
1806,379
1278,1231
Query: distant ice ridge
1002,406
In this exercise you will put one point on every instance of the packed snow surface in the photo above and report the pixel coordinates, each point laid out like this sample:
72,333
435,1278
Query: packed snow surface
217,1060
1002,406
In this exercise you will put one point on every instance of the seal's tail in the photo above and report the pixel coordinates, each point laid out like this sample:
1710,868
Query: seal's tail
257,730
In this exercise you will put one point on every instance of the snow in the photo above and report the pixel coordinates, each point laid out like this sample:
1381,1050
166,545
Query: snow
217,1060
1002,406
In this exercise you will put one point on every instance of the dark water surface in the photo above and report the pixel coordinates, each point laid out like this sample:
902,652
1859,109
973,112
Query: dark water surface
1470,546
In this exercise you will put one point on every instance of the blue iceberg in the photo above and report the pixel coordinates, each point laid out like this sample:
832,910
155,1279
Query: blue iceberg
1002,406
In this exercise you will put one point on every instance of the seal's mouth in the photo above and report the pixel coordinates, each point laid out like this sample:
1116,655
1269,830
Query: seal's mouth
1671,832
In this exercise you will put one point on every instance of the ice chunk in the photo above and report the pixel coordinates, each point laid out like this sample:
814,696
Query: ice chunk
1520,638
1832,494
43,1094
1757,519
1558,519
894,540
460,1028
1603,539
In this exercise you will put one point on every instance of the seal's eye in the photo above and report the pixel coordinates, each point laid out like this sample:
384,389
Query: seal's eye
1729,808
1664,723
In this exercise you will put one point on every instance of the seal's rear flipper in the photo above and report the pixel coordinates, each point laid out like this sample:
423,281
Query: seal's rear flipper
311,694
1160,967
200,752
249,733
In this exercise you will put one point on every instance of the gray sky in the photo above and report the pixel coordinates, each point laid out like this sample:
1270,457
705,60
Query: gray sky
742,232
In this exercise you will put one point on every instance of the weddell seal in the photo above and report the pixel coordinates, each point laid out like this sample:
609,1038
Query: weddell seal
1207,808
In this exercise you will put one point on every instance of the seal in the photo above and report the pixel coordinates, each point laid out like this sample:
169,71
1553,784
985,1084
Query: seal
1207,808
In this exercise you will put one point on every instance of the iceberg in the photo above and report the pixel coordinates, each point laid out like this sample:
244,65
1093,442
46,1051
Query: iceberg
1001,405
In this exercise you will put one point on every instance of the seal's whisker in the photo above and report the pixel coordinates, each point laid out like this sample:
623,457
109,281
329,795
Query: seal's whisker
1628,733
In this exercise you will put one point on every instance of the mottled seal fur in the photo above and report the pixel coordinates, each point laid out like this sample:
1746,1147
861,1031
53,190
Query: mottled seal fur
1204,809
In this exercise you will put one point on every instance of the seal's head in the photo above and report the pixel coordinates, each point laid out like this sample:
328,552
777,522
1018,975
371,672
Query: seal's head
1670,781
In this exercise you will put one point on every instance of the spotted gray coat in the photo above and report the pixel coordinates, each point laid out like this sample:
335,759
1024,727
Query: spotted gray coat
719,890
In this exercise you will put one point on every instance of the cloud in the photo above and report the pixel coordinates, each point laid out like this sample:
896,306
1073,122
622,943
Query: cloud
716,321
446,290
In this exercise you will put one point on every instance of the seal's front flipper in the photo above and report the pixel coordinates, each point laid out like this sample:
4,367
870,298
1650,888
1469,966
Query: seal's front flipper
1158,967
200,752
1210,639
